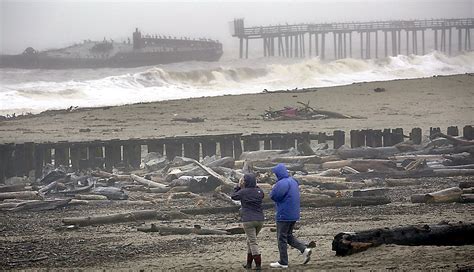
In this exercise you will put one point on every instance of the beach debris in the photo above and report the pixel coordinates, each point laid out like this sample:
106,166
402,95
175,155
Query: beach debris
443,234
304,112
167,230
379,90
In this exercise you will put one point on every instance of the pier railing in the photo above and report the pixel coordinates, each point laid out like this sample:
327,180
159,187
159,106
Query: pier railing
297,39
27,158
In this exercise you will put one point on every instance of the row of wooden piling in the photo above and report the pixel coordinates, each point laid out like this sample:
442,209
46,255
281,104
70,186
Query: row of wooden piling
22,159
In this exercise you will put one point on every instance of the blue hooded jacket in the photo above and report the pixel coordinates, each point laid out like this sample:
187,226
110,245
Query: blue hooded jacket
286,195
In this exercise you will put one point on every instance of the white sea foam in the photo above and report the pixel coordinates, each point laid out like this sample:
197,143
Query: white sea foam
38,90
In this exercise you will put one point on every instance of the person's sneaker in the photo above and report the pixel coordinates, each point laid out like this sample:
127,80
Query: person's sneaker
278,265
307,255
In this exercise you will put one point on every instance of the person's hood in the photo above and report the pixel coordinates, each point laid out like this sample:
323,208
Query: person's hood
250,180
280,171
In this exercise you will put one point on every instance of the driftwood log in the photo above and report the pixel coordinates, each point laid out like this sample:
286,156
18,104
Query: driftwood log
20,195
466,184
444,196
362,165
148,182
41,205
347,243
329,183
122,217
12,188
165,230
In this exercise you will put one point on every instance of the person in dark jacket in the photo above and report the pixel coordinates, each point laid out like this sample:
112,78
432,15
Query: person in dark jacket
251,196
286,195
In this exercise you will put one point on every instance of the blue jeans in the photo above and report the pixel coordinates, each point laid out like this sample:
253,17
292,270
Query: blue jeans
285,237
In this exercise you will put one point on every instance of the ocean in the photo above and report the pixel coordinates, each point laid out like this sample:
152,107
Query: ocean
34,91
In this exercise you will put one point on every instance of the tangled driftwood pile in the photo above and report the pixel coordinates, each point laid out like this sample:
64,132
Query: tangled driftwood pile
328,177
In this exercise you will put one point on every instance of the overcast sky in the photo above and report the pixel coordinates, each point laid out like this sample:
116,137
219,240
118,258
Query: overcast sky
53,24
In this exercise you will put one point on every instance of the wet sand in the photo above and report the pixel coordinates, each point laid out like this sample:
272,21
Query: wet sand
430,102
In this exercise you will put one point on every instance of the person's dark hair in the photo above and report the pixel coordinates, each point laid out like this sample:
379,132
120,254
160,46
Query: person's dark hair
250,180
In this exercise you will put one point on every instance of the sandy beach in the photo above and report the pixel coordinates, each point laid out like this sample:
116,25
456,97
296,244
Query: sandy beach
34,241
440,101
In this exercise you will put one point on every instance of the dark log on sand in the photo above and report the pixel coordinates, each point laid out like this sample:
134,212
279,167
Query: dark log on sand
411,174
20,195
467,198
122,217
347,243
181,231
370,192
48,187
90,197
466,184
308,201
444,196
468,190
41,205
12,188
103,174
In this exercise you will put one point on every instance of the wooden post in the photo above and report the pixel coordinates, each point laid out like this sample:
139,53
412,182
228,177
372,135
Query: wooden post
75,155
61,154
47,154
415,135
226,145
304,137
289,141
173,148
377,138
339,138
8,157
387,137
191,149
237,147
19,160
208,147
277,141
322,137
369,137
397,136
468,133
39,160
251,143
267,144
132,153
96,155
29,157
3,162
357,138
453,131
113,153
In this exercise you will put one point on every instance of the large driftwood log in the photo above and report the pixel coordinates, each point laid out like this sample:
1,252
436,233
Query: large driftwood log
444,196
20,195
12,188
347,243
454,140
412,174
103,174
362,165
122,217
467,198
264,154
466,184
329,183
41,205
165,230
148,182
370,192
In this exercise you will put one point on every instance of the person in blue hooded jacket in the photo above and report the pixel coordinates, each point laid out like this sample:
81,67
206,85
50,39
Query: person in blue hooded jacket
286,195
251,197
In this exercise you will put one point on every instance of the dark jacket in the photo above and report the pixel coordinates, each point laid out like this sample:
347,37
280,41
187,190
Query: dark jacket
250,197
286,195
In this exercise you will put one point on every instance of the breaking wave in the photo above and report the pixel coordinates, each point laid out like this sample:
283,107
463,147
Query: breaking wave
38,90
